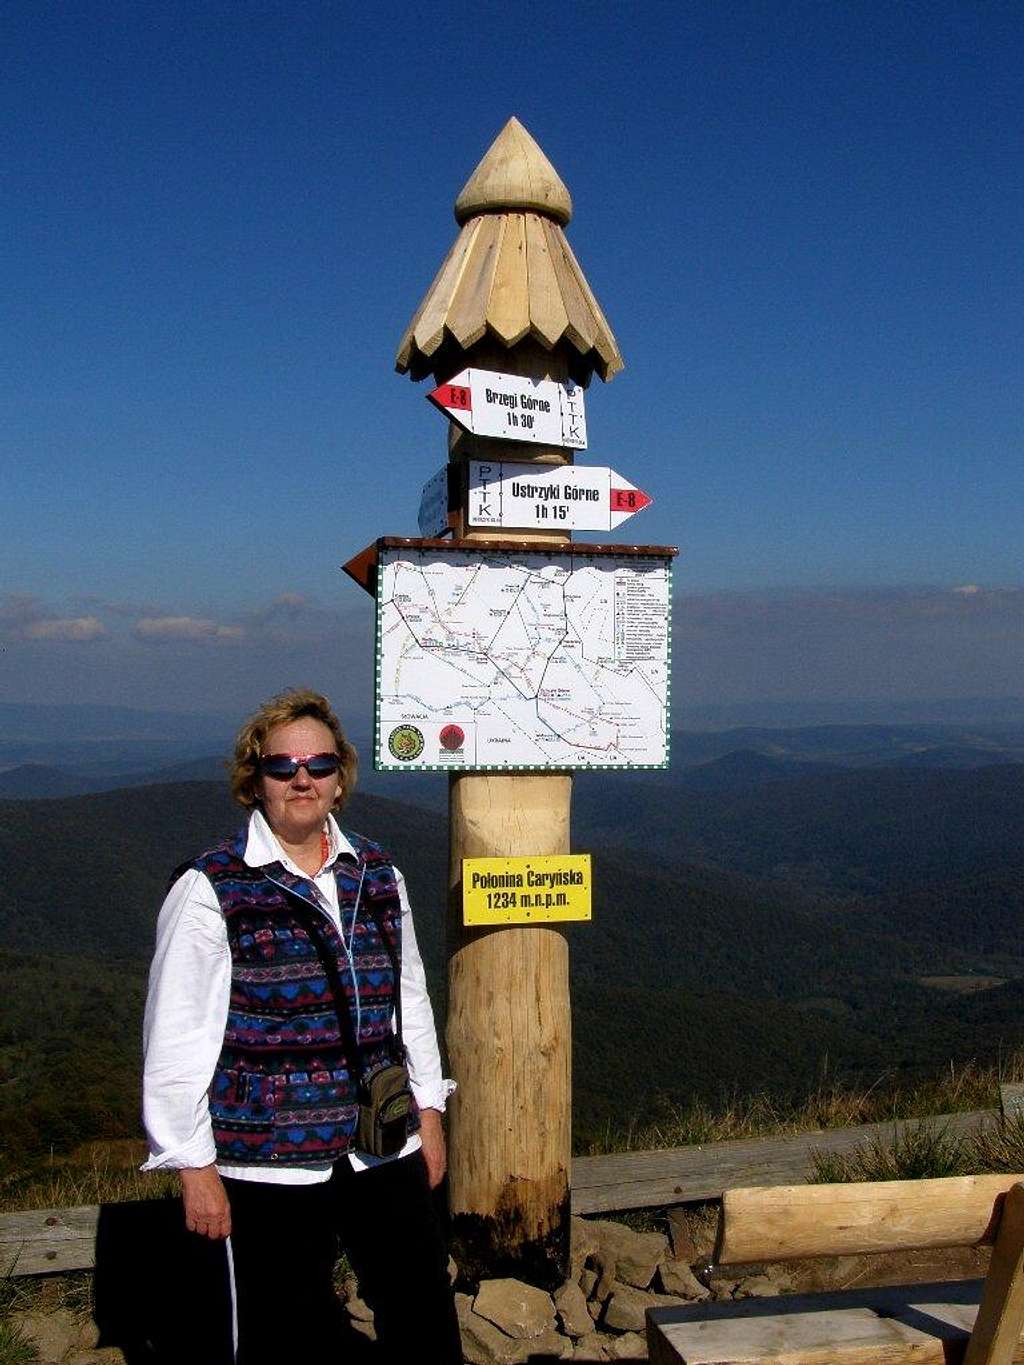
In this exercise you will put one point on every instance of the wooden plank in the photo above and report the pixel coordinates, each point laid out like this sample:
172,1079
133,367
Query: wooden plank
604,339
548,318
581,323
426,331
680,1175
1001,1315
788,1221
467,311
41,1241
923,1324
508,312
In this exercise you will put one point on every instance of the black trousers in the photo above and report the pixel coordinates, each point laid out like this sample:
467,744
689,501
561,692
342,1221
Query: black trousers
285,1240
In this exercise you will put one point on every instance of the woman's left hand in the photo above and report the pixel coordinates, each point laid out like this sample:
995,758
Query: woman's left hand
434,1153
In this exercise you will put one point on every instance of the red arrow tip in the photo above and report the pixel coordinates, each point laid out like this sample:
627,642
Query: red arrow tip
629,499
454,396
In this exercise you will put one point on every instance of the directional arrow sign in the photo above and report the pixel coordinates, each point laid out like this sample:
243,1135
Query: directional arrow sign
487,403
554,497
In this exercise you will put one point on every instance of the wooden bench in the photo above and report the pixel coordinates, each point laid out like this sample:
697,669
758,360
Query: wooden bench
974,1321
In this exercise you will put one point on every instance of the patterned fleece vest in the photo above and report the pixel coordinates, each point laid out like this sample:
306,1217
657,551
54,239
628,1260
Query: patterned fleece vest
282,1090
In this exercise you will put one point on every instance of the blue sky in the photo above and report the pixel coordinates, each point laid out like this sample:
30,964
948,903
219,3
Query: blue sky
803,221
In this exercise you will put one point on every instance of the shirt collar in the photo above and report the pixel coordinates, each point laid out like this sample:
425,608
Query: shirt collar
262,847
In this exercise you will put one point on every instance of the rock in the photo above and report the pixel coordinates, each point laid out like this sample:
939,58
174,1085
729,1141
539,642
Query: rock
625,1309
365,1329
683,1246
571,1306
108,1355
632,1257
594,1307
676,1277
453,1270
762,1287
632,1346
588,1282
485,1344
519,1309
583,1243
54,1334
592,1348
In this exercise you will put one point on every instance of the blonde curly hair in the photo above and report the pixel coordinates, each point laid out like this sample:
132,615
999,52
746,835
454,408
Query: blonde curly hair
282,709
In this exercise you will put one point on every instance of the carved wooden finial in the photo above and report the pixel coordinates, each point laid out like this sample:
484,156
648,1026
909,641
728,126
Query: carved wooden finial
511,273
514,175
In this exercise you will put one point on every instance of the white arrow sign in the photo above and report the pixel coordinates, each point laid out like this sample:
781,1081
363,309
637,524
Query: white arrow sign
487,403
555,497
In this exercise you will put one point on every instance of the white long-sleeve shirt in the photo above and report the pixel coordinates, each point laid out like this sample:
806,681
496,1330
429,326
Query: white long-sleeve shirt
187,1010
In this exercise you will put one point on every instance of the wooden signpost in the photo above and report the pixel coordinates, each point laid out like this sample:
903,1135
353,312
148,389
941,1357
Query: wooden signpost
509,329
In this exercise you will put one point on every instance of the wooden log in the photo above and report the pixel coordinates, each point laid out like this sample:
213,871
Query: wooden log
680,1175
900,1325
1001,1315
786,1221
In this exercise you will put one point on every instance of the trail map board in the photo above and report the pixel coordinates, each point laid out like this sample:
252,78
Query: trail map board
505,658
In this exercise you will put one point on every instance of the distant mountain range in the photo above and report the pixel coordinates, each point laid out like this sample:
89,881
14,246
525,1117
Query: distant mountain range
88,759
753,916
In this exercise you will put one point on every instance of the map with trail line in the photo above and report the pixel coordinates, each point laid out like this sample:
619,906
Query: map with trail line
533,659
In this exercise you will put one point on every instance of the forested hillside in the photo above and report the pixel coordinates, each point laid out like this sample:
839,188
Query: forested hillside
744,935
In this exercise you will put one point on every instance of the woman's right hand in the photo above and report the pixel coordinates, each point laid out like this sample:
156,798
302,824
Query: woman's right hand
207,1211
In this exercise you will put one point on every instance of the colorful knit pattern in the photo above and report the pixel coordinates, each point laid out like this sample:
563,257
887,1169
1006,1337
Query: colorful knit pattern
282,1090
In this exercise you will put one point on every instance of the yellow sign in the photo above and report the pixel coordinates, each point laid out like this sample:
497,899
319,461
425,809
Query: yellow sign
526,890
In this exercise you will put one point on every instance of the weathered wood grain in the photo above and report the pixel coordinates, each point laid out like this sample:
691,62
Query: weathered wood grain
679,1175
41,1241
1001,1315
916,1324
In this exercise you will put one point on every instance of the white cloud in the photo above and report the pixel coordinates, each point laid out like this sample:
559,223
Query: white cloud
66,628
184,628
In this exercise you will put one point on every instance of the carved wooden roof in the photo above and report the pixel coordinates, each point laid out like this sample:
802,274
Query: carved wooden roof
511,272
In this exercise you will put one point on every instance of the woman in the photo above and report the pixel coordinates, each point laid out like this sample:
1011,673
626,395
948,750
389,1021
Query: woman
285,959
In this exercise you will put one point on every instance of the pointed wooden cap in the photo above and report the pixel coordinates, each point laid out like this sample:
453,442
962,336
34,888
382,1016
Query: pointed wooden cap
514,176
511,273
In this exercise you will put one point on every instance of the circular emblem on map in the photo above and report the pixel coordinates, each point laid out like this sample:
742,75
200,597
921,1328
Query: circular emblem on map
452,738
406,742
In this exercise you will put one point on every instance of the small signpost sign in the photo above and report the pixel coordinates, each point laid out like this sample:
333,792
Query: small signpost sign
532,890
514,408
554,497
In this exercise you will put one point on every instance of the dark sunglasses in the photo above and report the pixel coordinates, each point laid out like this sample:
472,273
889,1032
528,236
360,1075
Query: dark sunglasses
283,767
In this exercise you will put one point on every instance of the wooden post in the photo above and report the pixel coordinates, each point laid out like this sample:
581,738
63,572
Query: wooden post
510,297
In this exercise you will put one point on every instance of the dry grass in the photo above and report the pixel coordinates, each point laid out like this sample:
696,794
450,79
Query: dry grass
97,1173
962,1087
